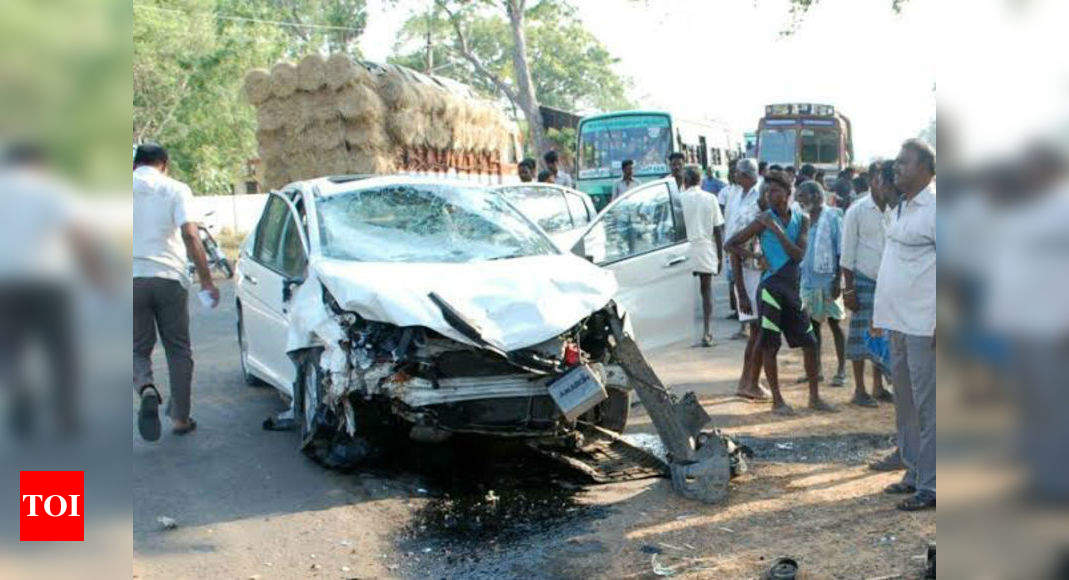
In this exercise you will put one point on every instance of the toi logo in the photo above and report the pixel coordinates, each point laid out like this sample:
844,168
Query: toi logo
51,506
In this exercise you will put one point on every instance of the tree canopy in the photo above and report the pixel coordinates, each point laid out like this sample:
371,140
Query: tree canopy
189,65
571,69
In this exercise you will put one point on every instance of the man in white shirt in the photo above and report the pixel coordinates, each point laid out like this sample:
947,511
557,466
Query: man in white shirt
743,208
560,176
701,214
164,236
627,180
905,306
862,248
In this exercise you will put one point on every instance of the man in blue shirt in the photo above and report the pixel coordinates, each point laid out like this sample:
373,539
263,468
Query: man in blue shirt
821,276
711,182
783,234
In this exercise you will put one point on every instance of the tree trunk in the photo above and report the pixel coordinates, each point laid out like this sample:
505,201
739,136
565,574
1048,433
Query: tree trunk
524,86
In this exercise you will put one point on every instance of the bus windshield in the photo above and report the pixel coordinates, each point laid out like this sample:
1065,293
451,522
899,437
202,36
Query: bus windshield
777,146
604,143
820,146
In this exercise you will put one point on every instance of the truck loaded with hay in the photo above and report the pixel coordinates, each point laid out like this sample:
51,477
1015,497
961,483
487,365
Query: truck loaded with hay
338,116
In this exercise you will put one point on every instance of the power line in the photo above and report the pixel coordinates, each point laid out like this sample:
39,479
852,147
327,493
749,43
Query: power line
247,19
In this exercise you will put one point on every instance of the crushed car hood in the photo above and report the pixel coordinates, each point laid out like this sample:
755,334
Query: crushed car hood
514,303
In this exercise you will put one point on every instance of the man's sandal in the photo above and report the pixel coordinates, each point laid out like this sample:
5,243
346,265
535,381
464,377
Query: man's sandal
192,426
148,415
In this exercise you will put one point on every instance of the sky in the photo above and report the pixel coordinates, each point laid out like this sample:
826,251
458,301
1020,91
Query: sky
725,59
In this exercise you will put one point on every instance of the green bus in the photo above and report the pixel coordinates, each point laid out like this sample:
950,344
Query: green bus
647,138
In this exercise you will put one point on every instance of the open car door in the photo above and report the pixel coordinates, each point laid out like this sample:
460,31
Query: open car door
279,261
641,237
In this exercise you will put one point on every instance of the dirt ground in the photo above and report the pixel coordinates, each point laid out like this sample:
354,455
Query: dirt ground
248,505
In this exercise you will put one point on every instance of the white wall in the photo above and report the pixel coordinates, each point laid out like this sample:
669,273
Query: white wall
234,212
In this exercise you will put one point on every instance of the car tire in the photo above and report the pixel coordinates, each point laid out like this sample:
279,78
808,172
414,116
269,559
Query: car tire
612,413
321,436
243,354
307,397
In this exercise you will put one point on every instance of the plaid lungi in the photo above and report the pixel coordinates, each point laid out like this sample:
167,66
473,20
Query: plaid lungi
861,320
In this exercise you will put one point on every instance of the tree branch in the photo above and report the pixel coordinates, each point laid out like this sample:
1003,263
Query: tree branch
464,51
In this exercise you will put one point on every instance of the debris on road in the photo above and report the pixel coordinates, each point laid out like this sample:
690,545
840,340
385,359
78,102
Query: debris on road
660,570
167,523
782,569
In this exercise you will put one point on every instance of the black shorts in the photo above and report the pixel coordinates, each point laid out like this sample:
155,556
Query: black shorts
780,311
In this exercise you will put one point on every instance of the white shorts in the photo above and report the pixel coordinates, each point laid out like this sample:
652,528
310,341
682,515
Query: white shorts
703,257
751,278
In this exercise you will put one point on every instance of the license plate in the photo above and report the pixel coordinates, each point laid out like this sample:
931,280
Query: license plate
577,391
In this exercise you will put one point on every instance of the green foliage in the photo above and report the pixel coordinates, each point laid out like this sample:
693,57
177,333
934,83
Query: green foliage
563,141
190,60
570,67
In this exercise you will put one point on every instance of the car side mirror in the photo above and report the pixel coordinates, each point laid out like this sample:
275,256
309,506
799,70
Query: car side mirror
287,287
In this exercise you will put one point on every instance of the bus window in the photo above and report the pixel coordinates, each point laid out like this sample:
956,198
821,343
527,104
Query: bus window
820,146
777,146
604,143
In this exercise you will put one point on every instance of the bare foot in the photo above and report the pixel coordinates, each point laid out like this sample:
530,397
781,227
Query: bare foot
863,400
758,394
818,404
782,408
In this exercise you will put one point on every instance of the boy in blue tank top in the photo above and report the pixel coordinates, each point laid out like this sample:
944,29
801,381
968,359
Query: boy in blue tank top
783,234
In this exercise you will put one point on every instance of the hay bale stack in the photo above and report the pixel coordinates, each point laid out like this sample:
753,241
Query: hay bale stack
407,127
283,80
366,138
334,115
311,73
340,71
361,104
397,93
257,86
270,115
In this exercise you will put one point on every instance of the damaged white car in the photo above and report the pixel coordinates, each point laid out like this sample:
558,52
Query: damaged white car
435,307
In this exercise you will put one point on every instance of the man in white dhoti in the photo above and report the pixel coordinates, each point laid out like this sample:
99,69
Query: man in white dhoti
701,214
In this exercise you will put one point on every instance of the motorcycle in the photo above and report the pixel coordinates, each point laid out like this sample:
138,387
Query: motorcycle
216,257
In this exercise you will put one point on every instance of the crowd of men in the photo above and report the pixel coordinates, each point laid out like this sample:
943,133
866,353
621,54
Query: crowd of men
801,255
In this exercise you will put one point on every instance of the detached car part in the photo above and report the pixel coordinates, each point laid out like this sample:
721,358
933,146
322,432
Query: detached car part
698,458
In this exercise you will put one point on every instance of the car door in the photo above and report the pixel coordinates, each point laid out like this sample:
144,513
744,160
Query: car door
642,239
279,258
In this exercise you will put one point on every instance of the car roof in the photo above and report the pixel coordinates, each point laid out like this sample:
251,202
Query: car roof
334,184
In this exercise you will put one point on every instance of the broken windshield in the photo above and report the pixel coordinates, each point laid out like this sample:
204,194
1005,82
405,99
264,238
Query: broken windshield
425,223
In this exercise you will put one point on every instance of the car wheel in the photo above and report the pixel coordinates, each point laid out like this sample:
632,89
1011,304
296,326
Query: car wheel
613,412
243,349
310,396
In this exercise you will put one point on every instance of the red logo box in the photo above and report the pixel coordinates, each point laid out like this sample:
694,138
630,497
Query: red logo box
51,506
